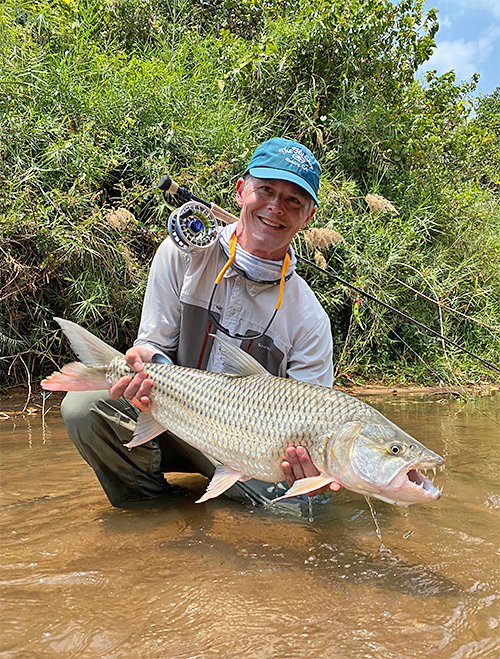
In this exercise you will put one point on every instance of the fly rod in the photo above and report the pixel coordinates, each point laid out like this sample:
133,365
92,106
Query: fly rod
185,227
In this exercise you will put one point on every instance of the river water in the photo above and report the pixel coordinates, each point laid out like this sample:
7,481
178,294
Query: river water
222,580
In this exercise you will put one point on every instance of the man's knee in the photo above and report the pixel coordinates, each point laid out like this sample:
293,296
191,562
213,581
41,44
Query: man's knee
91,416
75,406
79,410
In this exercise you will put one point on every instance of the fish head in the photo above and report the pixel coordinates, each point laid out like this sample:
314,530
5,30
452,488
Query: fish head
376,458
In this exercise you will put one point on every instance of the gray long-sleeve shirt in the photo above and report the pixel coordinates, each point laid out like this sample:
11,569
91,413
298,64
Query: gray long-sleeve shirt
175,320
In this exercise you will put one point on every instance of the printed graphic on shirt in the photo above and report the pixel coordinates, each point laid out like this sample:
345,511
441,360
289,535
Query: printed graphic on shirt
265,352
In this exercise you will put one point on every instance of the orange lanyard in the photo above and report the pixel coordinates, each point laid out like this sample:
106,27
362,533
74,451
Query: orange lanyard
232,254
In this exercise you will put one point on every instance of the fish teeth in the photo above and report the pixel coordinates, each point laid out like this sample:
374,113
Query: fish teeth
434,470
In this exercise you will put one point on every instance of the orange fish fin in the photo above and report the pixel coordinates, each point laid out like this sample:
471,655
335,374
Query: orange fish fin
306,485
76,377
224,477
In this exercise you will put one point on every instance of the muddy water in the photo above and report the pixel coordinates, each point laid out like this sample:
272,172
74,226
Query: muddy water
177,580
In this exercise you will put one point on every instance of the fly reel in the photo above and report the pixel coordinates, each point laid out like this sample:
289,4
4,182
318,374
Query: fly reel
192,226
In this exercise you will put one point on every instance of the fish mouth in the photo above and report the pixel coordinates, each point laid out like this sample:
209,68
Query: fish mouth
413,486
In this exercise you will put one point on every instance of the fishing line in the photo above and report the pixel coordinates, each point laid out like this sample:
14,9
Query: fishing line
400,338
464,395
371,297
438,303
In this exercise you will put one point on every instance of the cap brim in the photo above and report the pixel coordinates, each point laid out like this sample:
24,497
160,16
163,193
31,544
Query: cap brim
283,175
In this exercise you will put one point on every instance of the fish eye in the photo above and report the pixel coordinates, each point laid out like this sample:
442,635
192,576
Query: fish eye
396,449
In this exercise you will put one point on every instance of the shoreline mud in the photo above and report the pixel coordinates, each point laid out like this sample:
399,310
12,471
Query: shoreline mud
21,400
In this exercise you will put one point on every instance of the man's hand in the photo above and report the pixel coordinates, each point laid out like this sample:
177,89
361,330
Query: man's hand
299,465
137,388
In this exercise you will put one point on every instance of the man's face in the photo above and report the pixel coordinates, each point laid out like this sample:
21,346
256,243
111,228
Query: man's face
272,212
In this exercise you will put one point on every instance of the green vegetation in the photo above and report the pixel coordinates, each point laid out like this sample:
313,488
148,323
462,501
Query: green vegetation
99,98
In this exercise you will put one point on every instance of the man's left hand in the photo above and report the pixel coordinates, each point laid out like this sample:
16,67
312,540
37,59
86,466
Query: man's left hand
299,465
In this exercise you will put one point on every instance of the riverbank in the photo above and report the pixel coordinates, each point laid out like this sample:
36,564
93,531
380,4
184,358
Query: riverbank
21,400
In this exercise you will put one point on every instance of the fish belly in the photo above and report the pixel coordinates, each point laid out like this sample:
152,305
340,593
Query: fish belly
247,422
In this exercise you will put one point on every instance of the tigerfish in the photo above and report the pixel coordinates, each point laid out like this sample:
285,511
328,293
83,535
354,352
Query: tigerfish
245,418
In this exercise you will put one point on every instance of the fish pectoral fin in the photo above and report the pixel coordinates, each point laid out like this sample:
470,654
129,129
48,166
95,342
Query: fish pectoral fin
147,428
224,477
306,485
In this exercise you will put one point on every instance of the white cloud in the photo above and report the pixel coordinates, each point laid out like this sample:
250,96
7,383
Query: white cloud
459,55
464,57
490,6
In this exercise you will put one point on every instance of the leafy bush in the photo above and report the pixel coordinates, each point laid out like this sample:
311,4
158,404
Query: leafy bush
99,98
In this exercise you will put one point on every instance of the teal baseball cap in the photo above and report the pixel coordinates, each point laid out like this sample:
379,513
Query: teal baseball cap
286,160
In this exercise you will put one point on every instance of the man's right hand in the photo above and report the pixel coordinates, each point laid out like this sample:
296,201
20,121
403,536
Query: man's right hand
137,388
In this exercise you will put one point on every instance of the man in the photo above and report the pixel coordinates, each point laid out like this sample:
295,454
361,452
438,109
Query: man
244,286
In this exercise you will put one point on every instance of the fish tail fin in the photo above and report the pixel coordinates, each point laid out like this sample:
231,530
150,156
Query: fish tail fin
90,350
90,373
76,377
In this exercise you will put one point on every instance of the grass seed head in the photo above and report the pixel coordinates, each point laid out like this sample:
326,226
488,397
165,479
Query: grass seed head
378,203
119,218
322,238
320,259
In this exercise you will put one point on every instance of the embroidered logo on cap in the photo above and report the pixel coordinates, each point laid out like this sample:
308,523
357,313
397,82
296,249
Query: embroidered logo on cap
296,156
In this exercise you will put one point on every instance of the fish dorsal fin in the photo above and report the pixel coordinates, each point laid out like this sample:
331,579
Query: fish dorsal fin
90,350
237,361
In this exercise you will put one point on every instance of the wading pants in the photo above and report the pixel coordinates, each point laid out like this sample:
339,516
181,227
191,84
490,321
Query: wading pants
99,427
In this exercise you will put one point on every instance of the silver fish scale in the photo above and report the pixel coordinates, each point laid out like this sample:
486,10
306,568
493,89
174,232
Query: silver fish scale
246,422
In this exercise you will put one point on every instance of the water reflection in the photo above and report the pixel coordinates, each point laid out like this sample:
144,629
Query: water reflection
171,579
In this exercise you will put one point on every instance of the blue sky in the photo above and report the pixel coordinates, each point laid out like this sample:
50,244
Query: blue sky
468,41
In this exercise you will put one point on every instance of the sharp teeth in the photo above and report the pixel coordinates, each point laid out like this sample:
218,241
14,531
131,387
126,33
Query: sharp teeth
434,470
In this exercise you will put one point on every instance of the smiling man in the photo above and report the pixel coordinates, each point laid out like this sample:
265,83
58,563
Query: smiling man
244,286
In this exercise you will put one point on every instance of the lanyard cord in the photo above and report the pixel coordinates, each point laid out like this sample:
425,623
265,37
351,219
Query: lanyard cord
232,254
286,263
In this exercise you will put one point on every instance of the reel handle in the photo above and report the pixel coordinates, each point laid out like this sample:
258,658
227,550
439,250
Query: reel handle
223,215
